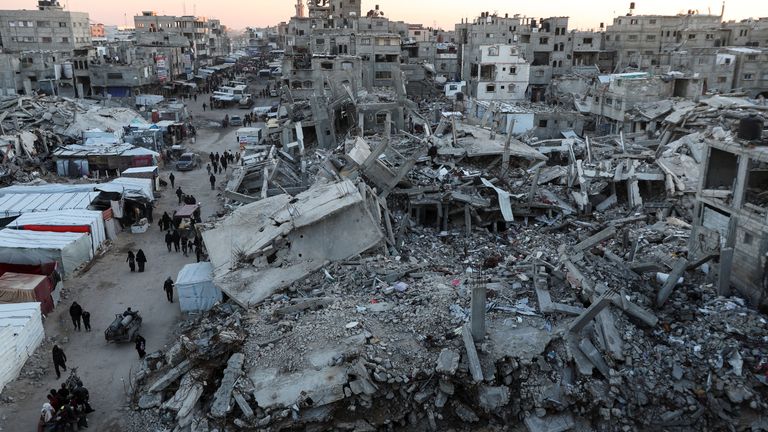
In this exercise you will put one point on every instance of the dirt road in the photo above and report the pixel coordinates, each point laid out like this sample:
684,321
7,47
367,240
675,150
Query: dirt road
109,287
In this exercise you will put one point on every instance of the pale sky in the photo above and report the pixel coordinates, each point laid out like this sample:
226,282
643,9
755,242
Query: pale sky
238,14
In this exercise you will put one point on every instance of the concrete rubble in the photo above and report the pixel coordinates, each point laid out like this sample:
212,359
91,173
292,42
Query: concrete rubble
454,276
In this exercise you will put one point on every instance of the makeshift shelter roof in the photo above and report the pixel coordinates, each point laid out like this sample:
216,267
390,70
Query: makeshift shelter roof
21,332
46,221
141,170
17,204
132,188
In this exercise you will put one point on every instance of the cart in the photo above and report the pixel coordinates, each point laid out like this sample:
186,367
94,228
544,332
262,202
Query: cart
124,327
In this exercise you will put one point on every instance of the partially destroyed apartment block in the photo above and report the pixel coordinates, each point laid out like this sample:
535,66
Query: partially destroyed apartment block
731,214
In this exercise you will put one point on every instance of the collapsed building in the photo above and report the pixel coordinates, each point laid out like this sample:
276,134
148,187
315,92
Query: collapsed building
446,270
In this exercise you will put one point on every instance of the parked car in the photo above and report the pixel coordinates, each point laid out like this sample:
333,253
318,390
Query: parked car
273,93
235,120
188,162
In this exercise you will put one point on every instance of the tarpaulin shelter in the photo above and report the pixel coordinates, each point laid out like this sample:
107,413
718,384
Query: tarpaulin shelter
77,221
70,250
21,332
50,270
24,288
196,289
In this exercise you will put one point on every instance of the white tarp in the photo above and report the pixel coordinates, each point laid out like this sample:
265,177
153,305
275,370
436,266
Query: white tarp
132,187
90,218
196,289
17,204
21,332
70,250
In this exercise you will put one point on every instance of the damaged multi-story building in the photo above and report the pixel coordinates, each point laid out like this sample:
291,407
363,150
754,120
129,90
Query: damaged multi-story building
45,50
206,38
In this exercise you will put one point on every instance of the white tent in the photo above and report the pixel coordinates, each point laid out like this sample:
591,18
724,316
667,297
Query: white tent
16,204
65,221
70,250
196,289
21,332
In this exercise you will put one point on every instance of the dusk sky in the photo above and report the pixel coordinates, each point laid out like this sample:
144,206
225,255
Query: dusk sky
239,14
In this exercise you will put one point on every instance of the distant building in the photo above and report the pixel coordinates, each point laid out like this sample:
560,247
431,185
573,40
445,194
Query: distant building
46,41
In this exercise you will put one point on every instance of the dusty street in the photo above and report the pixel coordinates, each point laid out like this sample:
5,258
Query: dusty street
108,288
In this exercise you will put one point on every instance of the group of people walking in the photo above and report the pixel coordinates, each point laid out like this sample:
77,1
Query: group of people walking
67,408
78,315
219,163
139,258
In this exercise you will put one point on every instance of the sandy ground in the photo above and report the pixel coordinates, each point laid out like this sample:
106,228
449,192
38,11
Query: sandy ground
109,287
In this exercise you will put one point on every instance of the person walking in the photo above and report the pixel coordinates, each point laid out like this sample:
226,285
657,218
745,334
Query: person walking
194,96
59,360
224,164
168,240
168,287
141,345
76,313
184,246
208,167
204,105
172,178
211,157
179,193
176,238
141,259
212,179
132,260
166,221
87,320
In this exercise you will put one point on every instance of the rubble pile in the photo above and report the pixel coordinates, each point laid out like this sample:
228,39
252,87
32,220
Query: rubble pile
382,339
32,128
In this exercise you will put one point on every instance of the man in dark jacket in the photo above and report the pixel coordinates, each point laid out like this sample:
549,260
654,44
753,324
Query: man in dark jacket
179,193
87,320
76,312
59,360
168,240
172,178
176,237
212,179
168,287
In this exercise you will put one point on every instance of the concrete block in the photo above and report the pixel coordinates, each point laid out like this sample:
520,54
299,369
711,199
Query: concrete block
447,362
492,398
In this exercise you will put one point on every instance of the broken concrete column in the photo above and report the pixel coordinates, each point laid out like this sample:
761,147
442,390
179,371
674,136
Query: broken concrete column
472,358
724,277
477,311
171,376
677,270
222,399
185,398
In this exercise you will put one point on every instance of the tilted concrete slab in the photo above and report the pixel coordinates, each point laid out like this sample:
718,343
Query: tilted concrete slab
265,246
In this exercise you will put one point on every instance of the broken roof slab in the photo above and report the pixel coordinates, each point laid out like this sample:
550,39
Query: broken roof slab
280,240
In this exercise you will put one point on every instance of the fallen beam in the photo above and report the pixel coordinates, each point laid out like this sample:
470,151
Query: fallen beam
171,376
595,239
677,270
222,399
472,359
